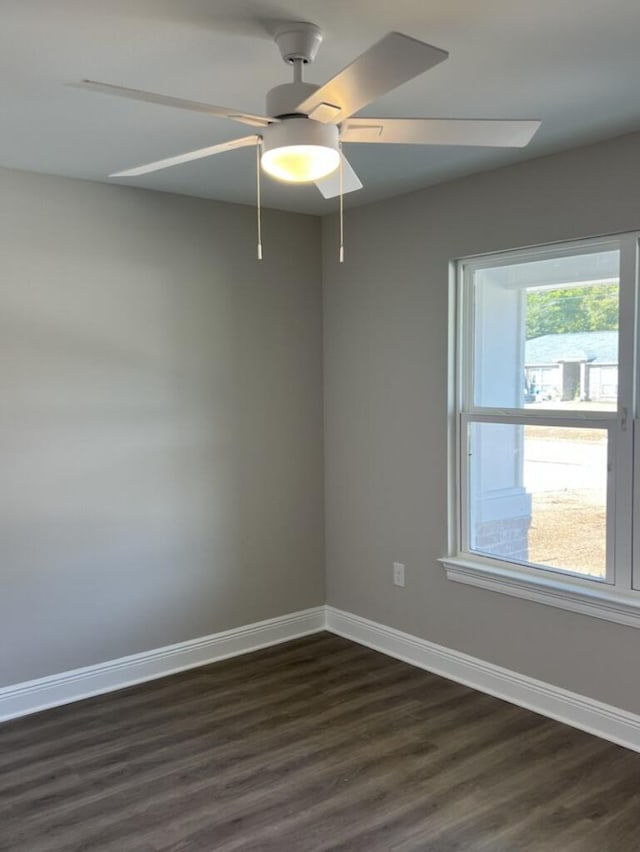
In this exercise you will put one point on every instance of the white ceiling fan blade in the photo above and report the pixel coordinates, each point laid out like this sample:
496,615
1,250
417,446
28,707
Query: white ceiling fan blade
330,186
440,131
167,100
244,142
387,64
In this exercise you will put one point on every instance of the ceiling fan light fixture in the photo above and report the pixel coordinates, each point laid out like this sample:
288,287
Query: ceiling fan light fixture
298,150
300,163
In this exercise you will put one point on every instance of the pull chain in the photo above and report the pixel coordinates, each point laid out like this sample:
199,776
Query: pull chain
341,253
259,209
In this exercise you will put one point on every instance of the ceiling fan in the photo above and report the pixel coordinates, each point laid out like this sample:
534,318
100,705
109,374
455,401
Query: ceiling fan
300,139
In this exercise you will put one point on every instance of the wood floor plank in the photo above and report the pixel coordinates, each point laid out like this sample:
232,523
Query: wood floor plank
316,745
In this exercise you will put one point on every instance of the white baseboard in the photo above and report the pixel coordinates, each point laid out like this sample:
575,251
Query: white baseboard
34,695
603,720
579,711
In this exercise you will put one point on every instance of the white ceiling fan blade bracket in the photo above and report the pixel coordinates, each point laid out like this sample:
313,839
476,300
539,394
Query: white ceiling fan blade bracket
350,132
325,113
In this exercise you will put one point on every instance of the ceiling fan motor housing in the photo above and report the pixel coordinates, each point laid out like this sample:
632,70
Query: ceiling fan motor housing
299,130
284,99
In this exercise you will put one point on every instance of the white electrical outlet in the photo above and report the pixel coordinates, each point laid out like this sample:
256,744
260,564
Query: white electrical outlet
398,574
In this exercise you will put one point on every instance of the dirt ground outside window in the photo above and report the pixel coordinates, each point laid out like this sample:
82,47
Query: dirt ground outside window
568,518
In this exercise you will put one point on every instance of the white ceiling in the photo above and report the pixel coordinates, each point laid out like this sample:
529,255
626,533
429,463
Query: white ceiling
572,63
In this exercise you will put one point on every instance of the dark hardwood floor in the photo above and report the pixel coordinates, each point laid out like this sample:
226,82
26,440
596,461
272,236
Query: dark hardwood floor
317,744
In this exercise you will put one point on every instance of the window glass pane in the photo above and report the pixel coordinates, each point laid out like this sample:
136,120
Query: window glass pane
538,495
546,333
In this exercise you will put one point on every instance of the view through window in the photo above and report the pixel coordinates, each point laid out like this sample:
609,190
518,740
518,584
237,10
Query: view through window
542,390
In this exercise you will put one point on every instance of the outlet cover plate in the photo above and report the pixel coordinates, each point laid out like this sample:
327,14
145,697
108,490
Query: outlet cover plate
398,574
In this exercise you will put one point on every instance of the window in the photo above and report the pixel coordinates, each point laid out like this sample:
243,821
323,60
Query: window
542,471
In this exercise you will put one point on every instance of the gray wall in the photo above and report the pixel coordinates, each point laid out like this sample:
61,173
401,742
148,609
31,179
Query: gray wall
161,417
160,421
385,343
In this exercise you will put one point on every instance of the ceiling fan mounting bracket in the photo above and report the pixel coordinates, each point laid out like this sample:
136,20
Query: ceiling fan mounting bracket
298,42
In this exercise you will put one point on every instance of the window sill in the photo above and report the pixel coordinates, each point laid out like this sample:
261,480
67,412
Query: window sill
599,601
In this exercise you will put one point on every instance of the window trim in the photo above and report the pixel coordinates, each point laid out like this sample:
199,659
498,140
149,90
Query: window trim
566,593
618,598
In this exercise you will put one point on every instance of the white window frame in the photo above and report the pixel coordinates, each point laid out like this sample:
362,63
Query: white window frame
616,598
